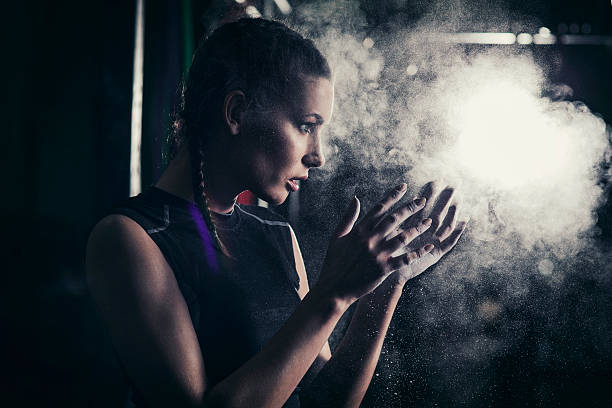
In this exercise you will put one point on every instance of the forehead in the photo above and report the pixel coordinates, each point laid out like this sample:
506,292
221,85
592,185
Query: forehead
314,96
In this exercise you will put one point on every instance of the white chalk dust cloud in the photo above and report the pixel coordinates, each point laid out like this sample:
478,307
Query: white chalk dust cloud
529,165
525,165
532,162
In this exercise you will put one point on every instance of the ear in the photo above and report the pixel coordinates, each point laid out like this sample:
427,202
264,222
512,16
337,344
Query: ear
234,107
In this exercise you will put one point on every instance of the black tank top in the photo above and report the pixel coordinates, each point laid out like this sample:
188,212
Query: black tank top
236,304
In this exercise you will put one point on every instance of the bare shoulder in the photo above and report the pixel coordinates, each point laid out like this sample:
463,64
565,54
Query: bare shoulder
138,298
120,251
115,228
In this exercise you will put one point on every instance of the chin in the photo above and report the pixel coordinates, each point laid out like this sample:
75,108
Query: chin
276,197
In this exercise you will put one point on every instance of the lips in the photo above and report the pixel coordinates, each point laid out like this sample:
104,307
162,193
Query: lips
294,182
293,185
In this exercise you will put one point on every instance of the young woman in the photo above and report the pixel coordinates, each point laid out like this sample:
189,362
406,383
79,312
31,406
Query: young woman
207,302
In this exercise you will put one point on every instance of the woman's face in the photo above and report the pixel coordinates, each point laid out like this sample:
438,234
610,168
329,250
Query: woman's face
285,143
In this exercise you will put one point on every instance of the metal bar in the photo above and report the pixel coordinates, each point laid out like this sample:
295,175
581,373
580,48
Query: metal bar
136,134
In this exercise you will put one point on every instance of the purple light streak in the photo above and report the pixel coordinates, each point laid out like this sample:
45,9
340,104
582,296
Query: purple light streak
209,249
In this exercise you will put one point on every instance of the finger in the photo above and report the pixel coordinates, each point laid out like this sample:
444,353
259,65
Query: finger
440,207
428,189
348,219
450,242
448,225
393,220
395,233
401,261
427,192
405,237
375,214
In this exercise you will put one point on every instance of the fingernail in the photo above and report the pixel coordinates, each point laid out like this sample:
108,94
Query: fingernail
429,247
402,187
420,201
427,221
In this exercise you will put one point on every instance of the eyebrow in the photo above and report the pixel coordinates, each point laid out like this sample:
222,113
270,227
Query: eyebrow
318,117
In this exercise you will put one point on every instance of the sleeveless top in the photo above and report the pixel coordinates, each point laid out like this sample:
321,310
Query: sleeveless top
238,303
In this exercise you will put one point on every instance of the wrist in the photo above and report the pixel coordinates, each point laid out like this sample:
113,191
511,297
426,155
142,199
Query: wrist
395,281
392,286
327,301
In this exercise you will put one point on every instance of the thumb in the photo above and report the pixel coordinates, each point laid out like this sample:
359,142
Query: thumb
348,219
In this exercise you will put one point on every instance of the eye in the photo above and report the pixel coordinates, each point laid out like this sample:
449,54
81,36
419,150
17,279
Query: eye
307,127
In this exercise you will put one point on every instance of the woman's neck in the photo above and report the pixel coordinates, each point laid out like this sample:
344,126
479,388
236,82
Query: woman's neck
220,190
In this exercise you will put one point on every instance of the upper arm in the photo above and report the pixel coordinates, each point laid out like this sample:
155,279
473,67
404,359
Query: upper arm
325,353
139,299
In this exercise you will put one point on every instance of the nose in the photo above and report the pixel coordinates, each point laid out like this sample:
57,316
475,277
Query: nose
314,157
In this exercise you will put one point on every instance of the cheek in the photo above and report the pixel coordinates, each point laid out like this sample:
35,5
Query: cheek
280,145
274,147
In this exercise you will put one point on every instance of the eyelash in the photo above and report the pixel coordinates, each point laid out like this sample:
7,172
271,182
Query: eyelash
307,128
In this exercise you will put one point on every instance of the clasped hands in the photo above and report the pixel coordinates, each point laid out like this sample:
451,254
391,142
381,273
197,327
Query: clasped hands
390,243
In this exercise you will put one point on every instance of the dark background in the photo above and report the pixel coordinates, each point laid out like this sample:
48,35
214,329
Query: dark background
67,88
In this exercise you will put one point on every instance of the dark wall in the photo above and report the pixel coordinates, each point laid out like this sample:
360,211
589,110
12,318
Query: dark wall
67,70
68,81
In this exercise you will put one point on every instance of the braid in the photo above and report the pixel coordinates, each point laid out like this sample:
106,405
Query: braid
197,177
265,59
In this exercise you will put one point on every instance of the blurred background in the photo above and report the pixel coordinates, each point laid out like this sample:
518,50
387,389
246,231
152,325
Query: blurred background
73,82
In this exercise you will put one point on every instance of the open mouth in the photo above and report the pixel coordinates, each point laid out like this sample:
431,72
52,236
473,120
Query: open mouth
293,185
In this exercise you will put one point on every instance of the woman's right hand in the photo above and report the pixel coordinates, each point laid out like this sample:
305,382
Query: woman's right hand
359,257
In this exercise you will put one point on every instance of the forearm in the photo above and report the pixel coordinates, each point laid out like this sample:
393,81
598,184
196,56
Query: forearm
345,378
269,378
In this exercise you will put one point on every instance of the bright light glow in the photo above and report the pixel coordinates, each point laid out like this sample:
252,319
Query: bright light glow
412,69
136,134
546,267
544,39
283,6
524,38
368,42
505,138
252,12
240,1
544,31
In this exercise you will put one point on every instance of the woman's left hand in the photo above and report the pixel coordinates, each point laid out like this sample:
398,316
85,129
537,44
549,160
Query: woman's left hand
443,233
